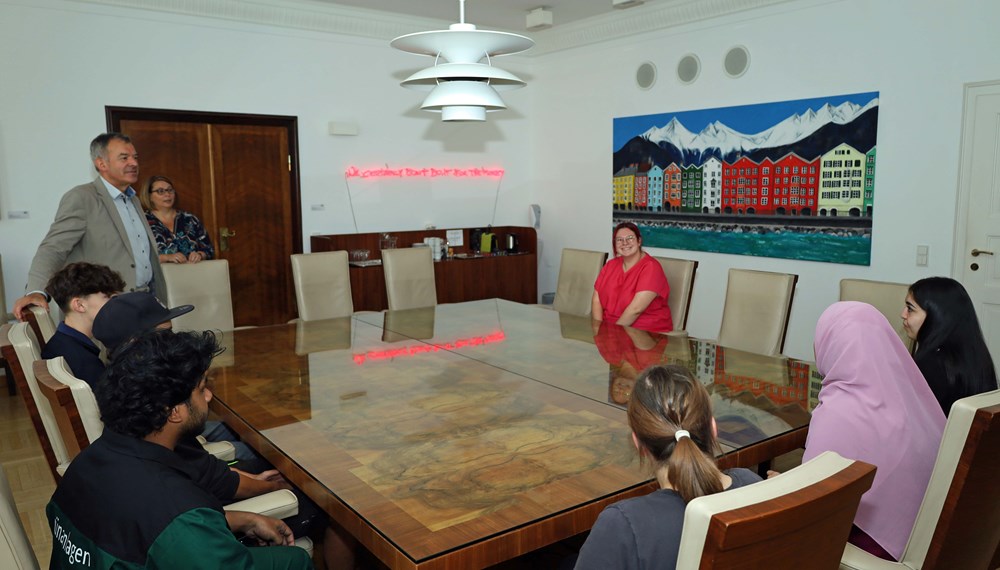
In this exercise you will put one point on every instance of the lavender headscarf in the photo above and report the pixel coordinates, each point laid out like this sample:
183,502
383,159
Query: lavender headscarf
876,407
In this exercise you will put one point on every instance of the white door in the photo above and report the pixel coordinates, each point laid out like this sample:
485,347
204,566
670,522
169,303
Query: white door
978,223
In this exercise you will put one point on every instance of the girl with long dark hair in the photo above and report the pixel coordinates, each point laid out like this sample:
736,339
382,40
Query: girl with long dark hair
951,351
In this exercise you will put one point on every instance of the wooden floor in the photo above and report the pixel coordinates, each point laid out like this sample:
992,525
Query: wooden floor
28,473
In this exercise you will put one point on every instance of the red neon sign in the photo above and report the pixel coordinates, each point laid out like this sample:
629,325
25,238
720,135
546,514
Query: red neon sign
355,172
498,336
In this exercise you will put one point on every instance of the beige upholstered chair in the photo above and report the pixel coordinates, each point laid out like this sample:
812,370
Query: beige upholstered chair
409,278
204,285
15,550
755,316
799,519
887,297
958,525
322,285
578,270
20,348
680,276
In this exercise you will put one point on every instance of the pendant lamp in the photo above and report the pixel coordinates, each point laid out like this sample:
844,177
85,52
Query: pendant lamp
462,87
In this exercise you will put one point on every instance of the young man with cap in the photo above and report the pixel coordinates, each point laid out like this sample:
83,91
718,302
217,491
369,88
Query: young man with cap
81,289
129,315
129,499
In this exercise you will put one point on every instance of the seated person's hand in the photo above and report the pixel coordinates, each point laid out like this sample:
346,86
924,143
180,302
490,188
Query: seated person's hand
195,257
264,530
772,474
22,304
272,476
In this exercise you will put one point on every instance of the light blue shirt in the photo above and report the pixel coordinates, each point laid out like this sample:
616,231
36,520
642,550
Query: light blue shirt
136,228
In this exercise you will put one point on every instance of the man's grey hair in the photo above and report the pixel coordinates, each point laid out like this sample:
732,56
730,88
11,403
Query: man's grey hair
99,146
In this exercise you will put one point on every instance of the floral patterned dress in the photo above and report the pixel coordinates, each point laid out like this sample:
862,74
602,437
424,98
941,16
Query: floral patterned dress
188,235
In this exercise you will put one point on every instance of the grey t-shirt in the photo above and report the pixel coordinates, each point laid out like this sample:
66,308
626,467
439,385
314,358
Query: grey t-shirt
643,532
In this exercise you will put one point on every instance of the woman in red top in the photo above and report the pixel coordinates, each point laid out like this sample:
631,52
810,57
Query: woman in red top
632,289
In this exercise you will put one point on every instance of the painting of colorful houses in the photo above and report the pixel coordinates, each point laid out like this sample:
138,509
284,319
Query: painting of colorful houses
792,179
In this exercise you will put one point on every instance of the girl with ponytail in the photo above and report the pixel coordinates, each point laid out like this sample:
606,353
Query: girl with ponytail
670,414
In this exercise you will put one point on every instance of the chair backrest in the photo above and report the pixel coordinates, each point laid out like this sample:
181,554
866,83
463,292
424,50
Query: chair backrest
578,270
40,321
799,519
204,285
755,316
20,348
15,550
680,277
409,278
958,525
84,401
887,297
322,285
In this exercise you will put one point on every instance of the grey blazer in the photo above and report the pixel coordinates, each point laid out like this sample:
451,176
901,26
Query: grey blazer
88,228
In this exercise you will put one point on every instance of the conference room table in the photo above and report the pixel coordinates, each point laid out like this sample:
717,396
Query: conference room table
467,434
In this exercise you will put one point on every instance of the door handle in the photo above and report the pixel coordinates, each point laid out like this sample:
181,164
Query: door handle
224,235
978,252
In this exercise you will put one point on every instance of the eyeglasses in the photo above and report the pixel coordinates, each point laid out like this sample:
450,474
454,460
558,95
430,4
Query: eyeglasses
162,191
627,239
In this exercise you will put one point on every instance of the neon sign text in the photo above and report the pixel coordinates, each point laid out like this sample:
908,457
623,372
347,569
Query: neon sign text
498,336
355,172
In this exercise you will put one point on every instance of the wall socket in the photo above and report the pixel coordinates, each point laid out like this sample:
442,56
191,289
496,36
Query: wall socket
18,214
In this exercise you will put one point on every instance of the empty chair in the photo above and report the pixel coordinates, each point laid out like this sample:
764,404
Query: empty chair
755,316
40,321
409,278
20,348
578,270
958,525
15,550
887,297
204,285
322,285
680,276
800,519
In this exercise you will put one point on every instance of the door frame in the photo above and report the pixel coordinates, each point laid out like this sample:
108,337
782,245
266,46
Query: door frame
114,116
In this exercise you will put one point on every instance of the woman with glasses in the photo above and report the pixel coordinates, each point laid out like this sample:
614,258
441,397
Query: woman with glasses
180,236
631,289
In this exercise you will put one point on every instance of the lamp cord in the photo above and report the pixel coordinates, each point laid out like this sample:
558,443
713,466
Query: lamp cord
496,200
350,201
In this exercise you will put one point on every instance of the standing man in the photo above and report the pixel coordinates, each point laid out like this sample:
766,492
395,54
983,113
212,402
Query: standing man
101,222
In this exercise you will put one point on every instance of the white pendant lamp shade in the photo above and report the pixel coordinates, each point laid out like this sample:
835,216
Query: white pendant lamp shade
462,88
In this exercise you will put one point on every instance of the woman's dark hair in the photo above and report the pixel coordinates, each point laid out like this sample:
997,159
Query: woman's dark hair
81,279
951,332
147,189
151,375
666,399
628,226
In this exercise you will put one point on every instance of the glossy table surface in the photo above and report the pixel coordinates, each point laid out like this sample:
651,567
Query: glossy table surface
463,435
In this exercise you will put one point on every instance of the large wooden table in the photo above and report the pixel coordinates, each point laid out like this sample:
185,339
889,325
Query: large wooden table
463,435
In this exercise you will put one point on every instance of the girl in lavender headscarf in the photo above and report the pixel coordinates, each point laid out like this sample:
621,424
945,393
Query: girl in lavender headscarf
875,407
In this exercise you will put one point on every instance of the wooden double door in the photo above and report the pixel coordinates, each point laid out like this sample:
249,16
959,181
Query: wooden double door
236,173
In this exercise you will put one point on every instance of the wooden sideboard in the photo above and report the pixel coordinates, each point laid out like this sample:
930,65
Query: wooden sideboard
512,277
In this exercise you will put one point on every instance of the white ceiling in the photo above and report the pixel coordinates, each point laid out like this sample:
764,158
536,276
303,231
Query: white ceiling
492,14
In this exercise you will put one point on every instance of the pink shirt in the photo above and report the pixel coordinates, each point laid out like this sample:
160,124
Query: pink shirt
616,288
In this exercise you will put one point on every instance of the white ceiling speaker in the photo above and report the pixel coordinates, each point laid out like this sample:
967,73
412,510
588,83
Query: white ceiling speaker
737,61
462,88
645,75
688,68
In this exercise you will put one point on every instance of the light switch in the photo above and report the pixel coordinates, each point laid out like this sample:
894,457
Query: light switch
18,214
922,255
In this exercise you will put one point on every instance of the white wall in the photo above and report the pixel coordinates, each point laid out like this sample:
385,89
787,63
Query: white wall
916,53
63,62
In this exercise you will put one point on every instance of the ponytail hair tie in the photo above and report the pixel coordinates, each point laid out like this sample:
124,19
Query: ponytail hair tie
681,433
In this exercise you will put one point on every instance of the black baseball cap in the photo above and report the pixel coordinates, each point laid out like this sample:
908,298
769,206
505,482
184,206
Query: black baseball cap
130,314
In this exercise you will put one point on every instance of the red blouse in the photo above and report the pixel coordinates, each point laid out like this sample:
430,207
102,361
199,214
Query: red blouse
616,288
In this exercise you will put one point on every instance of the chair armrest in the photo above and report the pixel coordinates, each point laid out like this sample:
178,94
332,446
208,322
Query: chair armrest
305,543
279,504
856,559
223,450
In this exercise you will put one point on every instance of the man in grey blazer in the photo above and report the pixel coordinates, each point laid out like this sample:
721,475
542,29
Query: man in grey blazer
101,222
